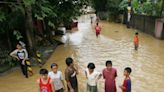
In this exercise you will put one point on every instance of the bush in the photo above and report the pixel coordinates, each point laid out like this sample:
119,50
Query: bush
6,59
146,8
103,15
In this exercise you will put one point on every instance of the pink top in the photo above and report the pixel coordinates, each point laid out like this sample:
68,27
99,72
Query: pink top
97,28
109,76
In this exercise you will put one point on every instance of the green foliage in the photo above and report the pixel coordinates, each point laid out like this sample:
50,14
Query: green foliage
136,6
2,16
112,7
28,2
17,34
123,6
99,5
5,58
58,11
147,8
42,9
54,12
13,16
51,24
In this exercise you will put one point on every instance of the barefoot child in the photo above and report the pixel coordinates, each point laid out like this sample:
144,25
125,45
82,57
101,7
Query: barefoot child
98,29
45,83
136,41
22,56
70,75
110,75
92,77
57,78
126,87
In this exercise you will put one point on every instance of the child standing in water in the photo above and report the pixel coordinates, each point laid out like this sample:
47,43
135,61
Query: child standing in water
57,78
21,55
136,41
45,83
126,87
98,29
110,75
70,75
92,77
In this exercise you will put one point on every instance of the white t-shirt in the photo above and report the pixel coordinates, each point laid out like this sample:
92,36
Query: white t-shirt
57,78
22,54
92,77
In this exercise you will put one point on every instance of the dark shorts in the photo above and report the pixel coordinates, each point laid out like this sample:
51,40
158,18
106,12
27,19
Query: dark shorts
91,88
136,46
97,33
60,90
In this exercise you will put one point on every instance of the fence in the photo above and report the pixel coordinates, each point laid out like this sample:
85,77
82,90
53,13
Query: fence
143,23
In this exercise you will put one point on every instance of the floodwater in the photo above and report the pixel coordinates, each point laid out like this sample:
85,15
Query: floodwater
115,43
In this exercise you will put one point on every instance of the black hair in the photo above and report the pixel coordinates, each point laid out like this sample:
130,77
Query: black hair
53,64
97,24
19,44
69,61
136,33
43,71
108,62
128,69
91,66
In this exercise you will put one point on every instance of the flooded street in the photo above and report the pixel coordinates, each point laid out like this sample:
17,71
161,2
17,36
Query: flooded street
115,43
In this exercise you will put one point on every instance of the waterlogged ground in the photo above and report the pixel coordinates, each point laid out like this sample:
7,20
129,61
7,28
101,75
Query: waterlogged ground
116,44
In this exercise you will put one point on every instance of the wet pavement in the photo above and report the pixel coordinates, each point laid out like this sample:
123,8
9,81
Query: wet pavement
115,43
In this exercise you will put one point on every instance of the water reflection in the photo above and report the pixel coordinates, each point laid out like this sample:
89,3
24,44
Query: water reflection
116,44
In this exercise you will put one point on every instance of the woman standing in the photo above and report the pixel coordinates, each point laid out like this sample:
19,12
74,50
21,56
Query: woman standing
21,55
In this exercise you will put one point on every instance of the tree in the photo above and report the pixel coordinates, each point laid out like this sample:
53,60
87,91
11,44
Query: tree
52,12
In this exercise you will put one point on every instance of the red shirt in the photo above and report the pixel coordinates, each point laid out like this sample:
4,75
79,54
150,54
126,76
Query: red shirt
98,29
45,87
136,40
127,85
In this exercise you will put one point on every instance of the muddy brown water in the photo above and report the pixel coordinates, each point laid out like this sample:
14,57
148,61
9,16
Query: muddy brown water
115,43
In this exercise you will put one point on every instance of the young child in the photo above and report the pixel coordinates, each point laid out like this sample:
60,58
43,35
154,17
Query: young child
57,77
70,75
92,77
136,41
98,29
110,75
21,55
126,87
45,83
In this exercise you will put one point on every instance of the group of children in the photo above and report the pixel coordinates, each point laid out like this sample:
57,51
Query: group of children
53,81
109,74
136,38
